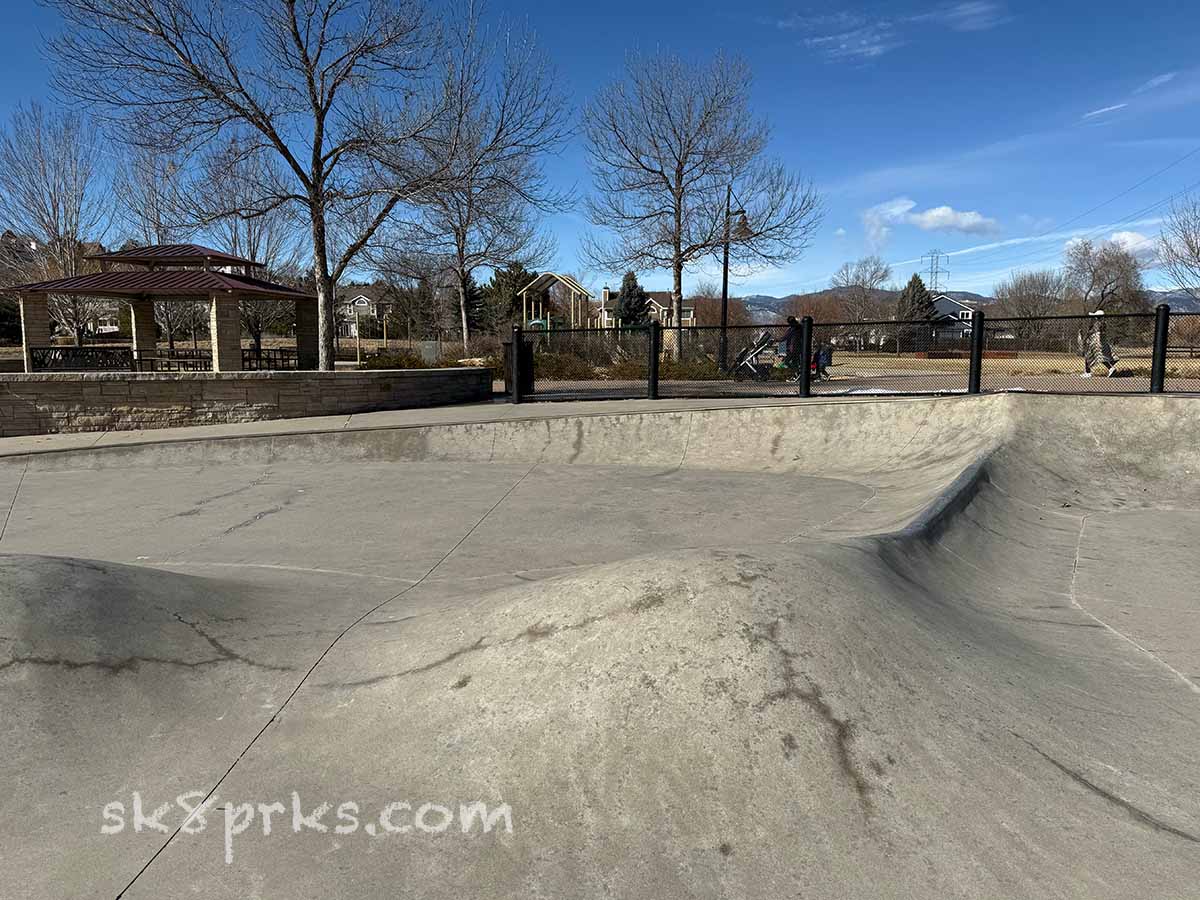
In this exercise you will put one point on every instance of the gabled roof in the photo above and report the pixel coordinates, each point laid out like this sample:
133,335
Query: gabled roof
544,281
174,255
163,284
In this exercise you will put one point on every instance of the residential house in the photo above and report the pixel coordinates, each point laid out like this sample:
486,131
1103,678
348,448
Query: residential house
360,305
661,306
952,320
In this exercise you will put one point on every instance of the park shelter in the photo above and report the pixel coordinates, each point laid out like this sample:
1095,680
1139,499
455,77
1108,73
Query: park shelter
579,299
171,273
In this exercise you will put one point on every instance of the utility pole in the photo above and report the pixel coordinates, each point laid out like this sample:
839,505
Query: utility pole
937,271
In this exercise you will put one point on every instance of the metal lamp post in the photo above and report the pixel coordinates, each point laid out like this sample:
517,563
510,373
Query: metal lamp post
723,353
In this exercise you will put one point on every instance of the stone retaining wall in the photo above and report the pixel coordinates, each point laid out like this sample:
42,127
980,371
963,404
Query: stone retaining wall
43,403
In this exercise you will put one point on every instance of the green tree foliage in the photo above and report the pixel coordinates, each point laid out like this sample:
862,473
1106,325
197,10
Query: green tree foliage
915,303
633,305
500,293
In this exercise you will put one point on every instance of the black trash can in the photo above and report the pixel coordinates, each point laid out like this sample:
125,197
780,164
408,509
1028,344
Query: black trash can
526,368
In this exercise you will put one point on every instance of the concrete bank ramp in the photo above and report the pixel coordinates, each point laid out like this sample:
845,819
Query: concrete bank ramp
961,661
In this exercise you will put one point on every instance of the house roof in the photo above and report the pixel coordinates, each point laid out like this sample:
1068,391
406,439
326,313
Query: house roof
661,299
351,292
544,281
163,284
174,255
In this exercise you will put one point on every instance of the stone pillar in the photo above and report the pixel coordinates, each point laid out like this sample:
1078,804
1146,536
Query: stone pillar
225,332
307,341
35,325
145,333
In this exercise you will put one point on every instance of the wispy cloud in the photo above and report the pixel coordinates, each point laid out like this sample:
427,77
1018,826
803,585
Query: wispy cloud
1157,81
1104,110
859,36
880,219
973,15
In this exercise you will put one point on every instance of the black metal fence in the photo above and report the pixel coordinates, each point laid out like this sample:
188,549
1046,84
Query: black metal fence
183,359
1134,353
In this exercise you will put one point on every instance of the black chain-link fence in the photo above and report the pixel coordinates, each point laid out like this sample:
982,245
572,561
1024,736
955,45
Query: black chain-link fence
587,364
1057,354
890,357
1183,353
1068,354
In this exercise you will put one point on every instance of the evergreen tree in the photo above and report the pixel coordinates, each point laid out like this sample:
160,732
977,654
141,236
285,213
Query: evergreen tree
500,293
633,305
480,319
915,303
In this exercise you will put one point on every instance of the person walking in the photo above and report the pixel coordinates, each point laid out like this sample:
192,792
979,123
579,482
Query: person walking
1096,348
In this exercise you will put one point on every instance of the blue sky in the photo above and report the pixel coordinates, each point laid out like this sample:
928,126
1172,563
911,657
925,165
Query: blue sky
958,125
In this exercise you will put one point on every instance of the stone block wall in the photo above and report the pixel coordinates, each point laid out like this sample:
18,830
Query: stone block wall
44,403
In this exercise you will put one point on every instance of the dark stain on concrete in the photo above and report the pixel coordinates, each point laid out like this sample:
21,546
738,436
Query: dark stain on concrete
725,848
798,686
790,746
1134,812
461,683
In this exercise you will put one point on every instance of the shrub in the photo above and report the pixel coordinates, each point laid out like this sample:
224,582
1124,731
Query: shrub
395,359
562,367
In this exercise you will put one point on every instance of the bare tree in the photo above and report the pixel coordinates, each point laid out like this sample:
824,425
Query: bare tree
148,202
1179,245
319,84
503,115
51,195
1103,276
1030,296
858,285
229,183
664,144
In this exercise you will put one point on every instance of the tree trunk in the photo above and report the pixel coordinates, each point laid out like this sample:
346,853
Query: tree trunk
462,306
78,329
677,294
326,295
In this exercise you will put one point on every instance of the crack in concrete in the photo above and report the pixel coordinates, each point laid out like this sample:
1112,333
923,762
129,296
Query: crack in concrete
813,697
1136,813
200,504
534,632
133,662
226,653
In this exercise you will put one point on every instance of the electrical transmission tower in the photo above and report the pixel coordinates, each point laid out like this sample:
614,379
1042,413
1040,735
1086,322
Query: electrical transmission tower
938,273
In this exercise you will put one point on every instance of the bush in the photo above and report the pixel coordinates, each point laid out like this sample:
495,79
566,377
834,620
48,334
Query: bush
395,359
562,367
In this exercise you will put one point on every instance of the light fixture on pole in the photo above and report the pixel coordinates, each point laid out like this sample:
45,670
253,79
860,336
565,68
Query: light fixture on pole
743,229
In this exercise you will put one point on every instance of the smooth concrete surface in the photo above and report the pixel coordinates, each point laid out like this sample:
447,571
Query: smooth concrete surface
921,648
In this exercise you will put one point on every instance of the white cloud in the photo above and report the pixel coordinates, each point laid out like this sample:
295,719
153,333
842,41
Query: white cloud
946,218
1103,110
841,232
1143,247
881,218
1157,81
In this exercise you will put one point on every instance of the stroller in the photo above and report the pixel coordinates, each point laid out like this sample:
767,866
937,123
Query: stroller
755,361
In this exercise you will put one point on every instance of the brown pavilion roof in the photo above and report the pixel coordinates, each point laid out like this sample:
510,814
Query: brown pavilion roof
174,255
163,284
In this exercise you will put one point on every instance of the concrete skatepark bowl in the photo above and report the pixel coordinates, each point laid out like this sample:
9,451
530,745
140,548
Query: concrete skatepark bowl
897,648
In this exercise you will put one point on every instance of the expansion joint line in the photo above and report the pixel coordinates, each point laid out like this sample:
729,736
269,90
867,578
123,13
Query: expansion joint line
1195,688
275,715
13,505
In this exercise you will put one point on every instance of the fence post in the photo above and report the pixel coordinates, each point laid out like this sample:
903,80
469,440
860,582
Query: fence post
1158,365
514,395
655,353
975,376
806,326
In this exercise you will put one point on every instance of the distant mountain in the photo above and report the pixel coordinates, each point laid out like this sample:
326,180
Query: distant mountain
1179,301
765,308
